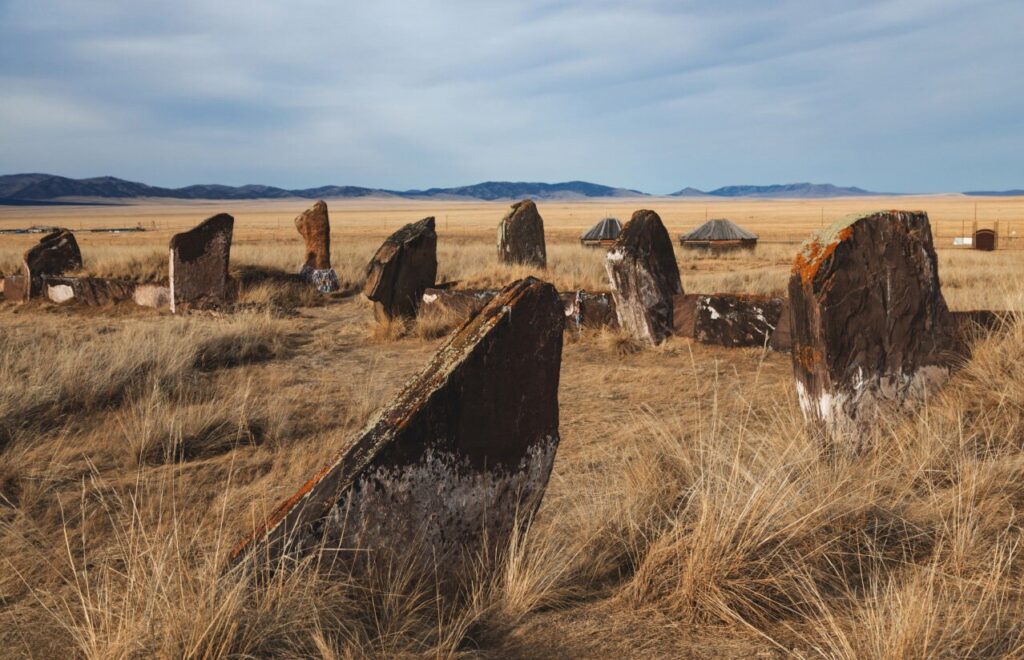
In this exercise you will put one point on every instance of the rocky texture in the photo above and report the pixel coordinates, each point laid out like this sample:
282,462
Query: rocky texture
401,270
15,288
92,291
644,278
584,309
521,236
199,264
870,328
736,320
782,339
454,304
55,254
152,295
460,456
315,228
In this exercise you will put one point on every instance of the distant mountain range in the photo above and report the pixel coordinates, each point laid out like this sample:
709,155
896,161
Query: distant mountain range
26,189
995,193
787,190
48,187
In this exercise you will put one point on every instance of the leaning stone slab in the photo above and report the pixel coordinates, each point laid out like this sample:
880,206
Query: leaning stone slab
585,309
55,254
92,291
644,277
401,270
456,461
199,264
314,226
871,332
521,236
736,320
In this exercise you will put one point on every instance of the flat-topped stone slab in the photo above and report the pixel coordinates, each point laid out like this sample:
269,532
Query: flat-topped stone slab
403,267
199,264
92,291
456,461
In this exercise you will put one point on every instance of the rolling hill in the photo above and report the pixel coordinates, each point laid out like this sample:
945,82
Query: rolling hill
786,190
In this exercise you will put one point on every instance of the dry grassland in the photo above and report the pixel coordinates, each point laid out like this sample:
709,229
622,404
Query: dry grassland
689,514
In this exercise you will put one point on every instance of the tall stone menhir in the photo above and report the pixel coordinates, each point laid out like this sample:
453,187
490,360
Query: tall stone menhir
870,328
199,264
404,266
521,236
55,254
455,462
315,227
644,278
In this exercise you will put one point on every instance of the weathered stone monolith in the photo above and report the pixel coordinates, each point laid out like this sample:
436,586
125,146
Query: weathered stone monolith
870,329
92,291
55,254
644,278
458,459
199,264
521,236
315,227
401,270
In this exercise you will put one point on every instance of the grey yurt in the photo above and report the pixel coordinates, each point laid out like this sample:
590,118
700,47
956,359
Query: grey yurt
603,234
719,234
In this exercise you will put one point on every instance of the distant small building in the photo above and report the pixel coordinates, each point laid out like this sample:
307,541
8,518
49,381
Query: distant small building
985,239
719,234
603,234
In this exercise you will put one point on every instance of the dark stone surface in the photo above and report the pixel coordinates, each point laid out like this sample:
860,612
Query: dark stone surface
521,236
402,269
644,278
458,304
462,453
314,226
55,254
871,332
736,320
199,264
585,309
782,340
92,291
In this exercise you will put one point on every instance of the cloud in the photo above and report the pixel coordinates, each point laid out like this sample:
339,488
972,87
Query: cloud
888,94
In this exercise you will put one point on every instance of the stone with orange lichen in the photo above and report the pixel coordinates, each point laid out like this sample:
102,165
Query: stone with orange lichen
869,326
404,266
455,462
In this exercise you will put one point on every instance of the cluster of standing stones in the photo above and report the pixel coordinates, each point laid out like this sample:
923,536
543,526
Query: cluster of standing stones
461,457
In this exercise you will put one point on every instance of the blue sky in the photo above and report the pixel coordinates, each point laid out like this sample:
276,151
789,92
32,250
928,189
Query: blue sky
891,95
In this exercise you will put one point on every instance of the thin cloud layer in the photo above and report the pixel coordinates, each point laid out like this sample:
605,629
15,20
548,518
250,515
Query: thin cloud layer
905,95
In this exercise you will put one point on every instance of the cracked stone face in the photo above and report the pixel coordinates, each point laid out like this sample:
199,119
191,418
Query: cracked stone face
870,329
644,278
457,460
404,266
521,236
199,263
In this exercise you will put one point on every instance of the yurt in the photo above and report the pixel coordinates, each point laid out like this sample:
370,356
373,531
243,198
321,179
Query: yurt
603,234
719,234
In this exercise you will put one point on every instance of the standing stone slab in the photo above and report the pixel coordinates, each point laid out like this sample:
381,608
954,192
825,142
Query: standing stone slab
644,277
460,456
315,228
199,264
736,320
870,328
401,270
521,236
91,291
55,254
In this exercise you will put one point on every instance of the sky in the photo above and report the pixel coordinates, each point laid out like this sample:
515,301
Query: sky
888,95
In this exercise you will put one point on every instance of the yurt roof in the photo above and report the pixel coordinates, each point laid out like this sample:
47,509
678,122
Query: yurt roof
719,230
607,229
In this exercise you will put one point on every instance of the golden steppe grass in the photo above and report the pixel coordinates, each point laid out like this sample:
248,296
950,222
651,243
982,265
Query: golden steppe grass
690,512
